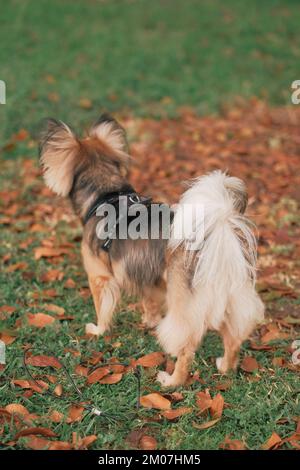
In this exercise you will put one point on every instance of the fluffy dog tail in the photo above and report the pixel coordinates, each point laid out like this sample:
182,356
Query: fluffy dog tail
218,239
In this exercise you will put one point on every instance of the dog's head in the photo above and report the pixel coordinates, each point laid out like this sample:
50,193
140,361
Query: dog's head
65,158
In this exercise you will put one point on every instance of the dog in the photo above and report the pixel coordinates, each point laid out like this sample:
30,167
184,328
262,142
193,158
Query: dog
188,284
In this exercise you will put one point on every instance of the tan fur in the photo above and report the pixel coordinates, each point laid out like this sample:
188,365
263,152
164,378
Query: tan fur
59,159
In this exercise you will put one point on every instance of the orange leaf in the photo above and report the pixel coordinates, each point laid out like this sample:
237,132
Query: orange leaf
151,360
56,416
49,252
86,442
206,425
40,320
97,374
46,432
155,400
173,414
203,400
43,361
216,407
148,443
111,379
273,441
37,443
75,413
55,309
249,364
16,408
58,390
232,444
7,339
81,370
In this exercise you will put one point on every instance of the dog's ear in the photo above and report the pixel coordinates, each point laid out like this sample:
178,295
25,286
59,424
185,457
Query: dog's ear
109,131
59,150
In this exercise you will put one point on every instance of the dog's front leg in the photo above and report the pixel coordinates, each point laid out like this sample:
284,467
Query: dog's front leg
154,300
106,293
181,371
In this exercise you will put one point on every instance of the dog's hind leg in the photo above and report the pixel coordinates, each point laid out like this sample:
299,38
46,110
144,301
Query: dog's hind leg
232,344
154,300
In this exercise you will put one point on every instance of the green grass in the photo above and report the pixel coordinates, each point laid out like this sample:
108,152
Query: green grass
253,407
146,57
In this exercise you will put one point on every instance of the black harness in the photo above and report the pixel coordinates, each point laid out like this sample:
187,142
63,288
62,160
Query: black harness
113,199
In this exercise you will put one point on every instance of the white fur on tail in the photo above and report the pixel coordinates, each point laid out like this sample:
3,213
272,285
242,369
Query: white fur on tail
224,262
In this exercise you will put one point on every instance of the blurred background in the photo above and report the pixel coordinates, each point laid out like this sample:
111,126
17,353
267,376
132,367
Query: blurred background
71,59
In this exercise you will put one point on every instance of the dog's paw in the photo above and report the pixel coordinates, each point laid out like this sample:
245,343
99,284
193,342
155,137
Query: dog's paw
92,329
165,379
220,365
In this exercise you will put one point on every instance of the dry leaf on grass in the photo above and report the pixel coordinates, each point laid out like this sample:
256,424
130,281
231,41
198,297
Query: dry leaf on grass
273,442
55,309
43,361
75,413
17,408
56,416
206,425
216,407
155,400
249,364
148,443
97,374
111,379
203,400
174,414
232,444
49,252
40,320
45,432
151,360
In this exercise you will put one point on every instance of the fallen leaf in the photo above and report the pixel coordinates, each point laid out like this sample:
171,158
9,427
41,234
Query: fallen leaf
17,408
97,374
173,414
43,361
111,379
39,320
75,413
151,360
273,442
216,407
58,390
49,252
249,364
232,444
148,443
203,400
45,432
55,309
56,416
155,400
86,442
206,425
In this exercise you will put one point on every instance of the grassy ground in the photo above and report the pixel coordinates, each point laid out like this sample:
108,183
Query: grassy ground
70,59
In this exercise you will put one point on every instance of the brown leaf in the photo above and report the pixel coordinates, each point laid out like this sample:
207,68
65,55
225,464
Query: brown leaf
37,443
60,445
17,267
273,442
232,444
17,408
75,413
203,400
151,360
81,370
49,252
111,379
155,400
7,339
206,425
55,309
148,443
86,442
173,414
216,407
58,390
45,432
249,364
43,361
39,320
56,416
97,374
